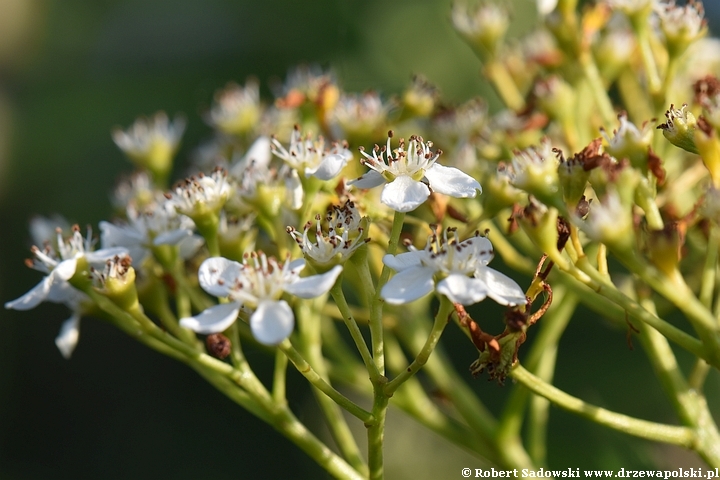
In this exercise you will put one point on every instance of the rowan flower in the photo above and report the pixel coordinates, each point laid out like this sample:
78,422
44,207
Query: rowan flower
455,269
237,109
256,284
60,263
346,231
311,158
151,226
151,142
412,174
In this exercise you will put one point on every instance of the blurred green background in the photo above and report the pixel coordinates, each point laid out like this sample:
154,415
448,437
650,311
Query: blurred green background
70,70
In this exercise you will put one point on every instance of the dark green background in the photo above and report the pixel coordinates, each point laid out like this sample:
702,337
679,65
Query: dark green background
118,410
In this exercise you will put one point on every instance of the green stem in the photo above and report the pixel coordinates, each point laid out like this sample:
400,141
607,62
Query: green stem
707,282
681,436
602,286
280,417
280,378
602,100
376,305
339,296
441,321
689,403
541,360
310,329
504,85
676,290
376,434
311,375
414,401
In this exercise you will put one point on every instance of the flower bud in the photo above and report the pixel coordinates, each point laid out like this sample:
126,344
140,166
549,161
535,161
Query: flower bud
680,128
483,28
420,98
665,246
555,97
540,223
682,25
630,142
536,172
610,222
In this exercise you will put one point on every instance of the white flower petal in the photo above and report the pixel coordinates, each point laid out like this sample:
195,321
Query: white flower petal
408,285
217,274
404,194
501,288
314,286
546,6
190,245
99,257
173,237
370,179
66,269
258,155
329,167
463,290
297,265
451,181
403,261
294,190
33,298
67,339
272,322
112,235
213,320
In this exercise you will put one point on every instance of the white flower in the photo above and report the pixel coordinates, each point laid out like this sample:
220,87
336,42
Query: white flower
482,26
60,264
236,109
345,233
151,142
535,170
256,284
154,225
412,174
310,158
360,115
682,23
460,270
201,194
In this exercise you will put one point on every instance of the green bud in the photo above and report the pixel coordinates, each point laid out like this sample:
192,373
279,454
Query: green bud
117,282
540,224
483,28
680,128
630,142
555,97
536,171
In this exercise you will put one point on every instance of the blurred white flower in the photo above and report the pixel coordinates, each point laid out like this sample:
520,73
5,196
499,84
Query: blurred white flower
311,158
